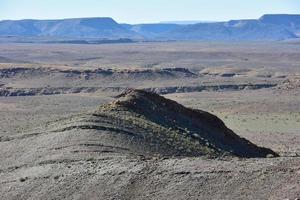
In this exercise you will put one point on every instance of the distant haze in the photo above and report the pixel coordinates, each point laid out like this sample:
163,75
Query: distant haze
186,22
146,11
266,28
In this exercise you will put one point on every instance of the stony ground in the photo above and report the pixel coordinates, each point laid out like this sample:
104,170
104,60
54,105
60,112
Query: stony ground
71,165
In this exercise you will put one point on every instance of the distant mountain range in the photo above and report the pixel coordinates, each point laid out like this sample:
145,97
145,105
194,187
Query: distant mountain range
268,27
186,22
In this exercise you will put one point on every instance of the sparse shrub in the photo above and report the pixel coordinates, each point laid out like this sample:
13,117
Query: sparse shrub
23,179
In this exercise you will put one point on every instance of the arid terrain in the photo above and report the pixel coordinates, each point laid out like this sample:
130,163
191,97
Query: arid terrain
67,133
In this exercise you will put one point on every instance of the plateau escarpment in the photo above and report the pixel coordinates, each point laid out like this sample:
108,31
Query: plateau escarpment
34,81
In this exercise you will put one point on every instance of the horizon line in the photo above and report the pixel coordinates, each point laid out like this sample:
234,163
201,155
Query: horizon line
159,22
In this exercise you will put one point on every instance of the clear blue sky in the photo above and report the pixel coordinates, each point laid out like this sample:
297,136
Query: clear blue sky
145,11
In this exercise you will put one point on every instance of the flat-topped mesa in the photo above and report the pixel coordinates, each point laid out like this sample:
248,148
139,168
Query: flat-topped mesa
165,127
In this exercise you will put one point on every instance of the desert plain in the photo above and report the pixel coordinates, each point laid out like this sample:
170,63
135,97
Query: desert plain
253,87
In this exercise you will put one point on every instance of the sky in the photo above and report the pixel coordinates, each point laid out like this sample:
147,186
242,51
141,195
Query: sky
146,11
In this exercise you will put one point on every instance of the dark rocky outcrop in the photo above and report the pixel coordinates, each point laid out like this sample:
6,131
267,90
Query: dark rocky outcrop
145,123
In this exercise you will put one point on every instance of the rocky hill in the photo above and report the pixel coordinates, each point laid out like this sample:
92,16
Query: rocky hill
144,123
141,146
